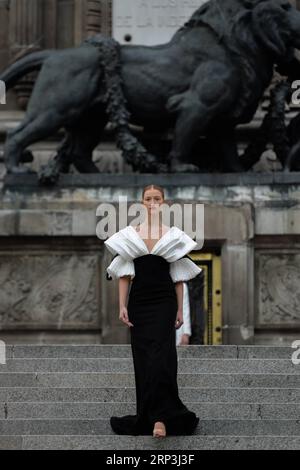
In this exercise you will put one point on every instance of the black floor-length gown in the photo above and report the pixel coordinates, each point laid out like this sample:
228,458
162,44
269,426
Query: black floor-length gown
152,309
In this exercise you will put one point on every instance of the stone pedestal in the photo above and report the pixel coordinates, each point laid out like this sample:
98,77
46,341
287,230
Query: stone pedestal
52,265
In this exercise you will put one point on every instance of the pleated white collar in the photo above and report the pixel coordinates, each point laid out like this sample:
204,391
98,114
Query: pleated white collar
174,244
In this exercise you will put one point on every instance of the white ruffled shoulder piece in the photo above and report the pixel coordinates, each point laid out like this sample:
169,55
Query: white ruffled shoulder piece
124,243
183,270
172,246
120,267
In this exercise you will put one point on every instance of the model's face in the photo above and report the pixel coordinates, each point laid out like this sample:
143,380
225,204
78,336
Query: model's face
152,200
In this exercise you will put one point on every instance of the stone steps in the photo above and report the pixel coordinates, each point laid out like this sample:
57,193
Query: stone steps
62,396
184,443
232,427
107,379
126,395
124,350
120,364
99,410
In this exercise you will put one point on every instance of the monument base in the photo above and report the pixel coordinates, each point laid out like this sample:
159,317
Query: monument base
53,266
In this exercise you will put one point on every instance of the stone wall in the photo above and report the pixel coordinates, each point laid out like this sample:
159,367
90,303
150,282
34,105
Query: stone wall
52,265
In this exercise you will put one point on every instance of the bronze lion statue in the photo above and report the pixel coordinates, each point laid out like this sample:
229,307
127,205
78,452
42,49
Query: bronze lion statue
209,78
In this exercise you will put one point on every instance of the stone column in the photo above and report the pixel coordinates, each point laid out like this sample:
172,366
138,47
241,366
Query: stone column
4,25
295,3
79,21
50,25
106,17
25,35
92,17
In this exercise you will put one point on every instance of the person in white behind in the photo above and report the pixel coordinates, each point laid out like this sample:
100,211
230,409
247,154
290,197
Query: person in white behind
184,333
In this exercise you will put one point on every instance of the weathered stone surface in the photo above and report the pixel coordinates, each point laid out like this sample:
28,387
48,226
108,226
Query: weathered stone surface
244,215
143,443
48,291
253,366
278,281
254,410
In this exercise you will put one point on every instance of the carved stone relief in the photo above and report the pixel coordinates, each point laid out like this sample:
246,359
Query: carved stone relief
49,291
278,284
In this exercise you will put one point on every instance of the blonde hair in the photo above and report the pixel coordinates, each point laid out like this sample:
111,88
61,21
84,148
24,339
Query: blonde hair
154,186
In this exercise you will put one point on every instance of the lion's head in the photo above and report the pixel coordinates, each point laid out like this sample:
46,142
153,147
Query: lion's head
273,24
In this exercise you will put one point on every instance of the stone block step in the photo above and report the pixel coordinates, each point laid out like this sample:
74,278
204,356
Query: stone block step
110,350
128,394
216,427
120,379
188,443
102,410
190,365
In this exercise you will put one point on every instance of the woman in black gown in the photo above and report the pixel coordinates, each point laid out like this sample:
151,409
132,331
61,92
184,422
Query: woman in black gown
153,313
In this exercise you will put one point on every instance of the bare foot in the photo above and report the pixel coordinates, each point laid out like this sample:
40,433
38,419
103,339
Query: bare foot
159,429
